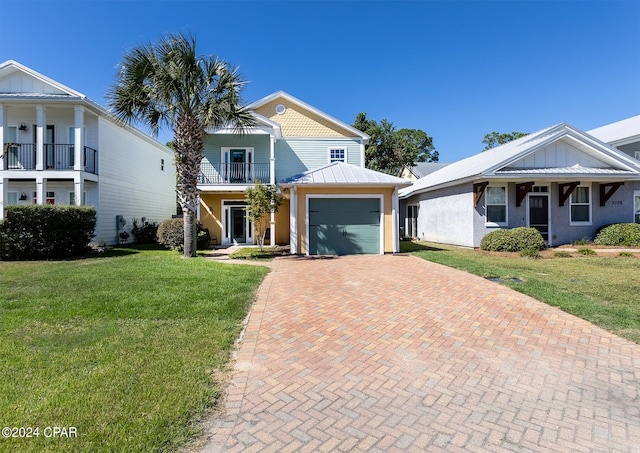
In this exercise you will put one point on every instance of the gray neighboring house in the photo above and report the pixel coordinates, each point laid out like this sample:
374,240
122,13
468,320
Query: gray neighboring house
563,181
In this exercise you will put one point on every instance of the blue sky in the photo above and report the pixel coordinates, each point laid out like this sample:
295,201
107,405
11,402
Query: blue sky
455,69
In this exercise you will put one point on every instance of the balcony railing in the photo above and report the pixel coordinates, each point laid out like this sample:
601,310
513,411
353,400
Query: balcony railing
233,173
22,156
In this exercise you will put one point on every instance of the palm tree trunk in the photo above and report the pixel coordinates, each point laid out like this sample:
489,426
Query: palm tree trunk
189,144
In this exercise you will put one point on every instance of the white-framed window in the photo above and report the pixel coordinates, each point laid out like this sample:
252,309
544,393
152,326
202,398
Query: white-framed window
50,197
72,198
496,205
637,155
337,155
12,198
580,206
636,206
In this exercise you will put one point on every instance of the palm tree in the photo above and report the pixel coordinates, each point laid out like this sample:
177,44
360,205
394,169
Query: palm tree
168,84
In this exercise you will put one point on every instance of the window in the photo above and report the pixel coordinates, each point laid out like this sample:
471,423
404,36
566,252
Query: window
540,189
411,227
636,206
72,198
637,155
496,202
581,205
337,155
161,164
12,198
50,198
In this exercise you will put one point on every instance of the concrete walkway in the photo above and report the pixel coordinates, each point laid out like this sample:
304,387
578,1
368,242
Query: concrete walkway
396,354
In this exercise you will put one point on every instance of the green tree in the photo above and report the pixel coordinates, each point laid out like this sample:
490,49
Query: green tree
496,139
389,149
169,84
262,200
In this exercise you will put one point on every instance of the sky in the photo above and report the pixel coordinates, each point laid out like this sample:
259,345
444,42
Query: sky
457,70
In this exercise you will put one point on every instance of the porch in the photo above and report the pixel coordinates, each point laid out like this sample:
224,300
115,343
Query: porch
241,173
24,156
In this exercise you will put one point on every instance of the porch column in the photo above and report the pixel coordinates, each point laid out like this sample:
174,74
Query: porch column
4,194
394,220
78,145
40,127
293,221
362,155
272,160
3,124
78,189
41,188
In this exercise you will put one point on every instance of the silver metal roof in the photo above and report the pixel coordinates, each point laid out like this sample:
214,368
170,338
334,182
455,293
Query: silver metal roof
340,173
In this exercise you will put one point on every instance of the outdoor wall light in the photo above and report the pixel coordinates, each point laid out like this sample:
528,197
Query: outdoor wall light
23,196
23,127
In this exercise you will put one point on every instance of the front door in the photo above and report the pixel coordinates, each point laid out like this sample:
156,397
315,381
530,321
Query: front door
539,214
238,228
238,172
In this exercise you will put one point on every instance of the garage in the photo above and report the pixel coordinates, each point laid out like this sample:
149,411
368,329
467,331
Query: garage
344,226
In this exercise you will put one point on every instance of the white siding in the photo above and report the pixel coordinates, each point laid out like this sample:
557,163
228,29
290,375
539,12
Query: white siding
558,154
22,83
131,181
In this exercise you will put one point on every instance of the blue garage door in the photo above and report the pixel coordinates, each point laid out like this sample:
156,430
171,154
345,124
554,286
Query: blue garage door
344,226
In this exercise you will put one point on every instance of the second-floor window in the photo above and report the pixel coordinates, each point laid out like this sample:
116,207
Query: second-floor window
337,155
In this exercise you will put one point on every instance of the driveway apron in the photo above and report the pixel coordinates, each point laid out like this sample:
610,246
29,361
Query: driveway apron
393,353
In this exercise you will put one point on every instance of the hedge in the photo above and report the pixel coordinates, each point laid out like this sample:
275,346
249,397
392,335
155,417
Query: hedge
513,240
44,231
619,234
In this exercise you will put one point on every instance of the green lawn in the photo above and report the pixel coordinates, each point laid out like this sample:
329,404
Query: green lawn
124,347
603,289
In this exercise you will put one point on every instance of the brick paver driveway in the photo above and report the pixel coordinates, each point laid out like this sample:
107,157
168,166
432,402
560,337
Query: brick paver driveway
393,353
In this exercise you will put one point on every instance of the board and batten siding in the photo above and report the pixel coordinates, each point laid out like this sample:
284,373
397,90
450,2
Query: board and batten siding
131,182
557,155
295,156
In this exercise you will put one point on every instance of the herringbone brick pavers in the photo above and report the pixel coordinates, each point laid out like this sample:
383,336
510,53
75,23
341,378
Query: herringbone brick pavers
393,353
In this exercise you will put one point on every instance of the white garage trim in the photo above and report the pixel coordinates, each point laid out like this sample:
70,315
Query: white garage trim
380,197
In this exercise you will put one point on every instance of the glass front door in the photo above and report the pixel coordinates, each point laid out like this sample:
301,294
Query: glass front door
238,225
238,172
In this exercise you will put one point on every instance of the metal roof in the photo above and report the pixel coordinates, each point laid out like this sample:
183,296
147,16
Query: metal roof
575,170
340,173
620,132
495,162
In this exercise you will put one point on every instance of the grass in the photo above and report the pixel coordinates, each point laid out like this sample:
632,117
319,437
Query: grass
599,288
254,253
125,347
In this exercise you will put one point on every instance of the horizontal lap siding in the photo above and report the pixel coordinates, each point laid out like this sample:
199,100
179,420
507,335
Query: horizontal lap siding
131,181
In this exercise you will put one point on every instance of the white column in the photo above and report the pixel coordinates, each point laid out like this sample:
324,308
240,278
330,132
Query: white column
41,188
293,221
78,145
272,161
3,125
40,128
78,188
394,220
362,155
4,189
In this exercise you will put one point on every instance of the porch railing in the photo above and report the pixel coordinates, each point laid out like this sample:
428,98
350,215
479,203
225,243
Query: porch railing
22,156
233,173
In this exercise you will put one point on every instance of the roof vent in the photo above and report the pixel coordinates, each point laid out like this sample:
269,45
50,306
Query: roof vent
280,109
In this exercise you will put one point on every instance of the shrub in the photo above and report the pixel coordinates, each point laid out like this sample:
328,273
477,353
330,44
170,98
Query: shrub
46,231
582,241
619,234
562,254
586,252
144,232
171,235
626,254
531,254
513,240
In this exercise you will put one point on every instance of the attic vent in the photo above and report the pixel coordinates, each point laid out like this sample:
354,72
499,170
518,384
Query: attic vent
280,109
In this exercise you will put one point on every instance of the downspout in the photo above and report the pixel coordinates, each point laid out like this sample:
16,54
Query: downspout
394,220
272,181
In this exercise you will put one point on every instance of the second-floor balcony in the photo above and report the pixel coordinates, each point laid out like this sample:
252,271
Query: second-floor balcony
23,156
233,173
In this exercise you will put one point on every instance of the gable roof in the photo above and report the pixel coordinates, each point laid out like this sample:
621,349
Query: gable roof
421,169
340,174
49,87
620,132
503,161
304,106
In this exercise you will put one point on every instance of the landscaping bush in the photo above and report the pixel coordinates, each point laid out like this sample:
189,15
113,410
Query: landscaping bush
46,231
171,235
619,234
513,240
144,232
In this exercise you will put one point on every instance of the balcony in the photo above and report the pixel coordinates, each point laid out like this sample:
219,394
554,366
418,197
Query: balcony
233,173
22,156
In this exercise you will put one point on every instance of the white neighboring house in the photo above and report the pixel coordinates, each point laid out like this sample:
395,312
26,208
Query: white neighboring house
59,147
